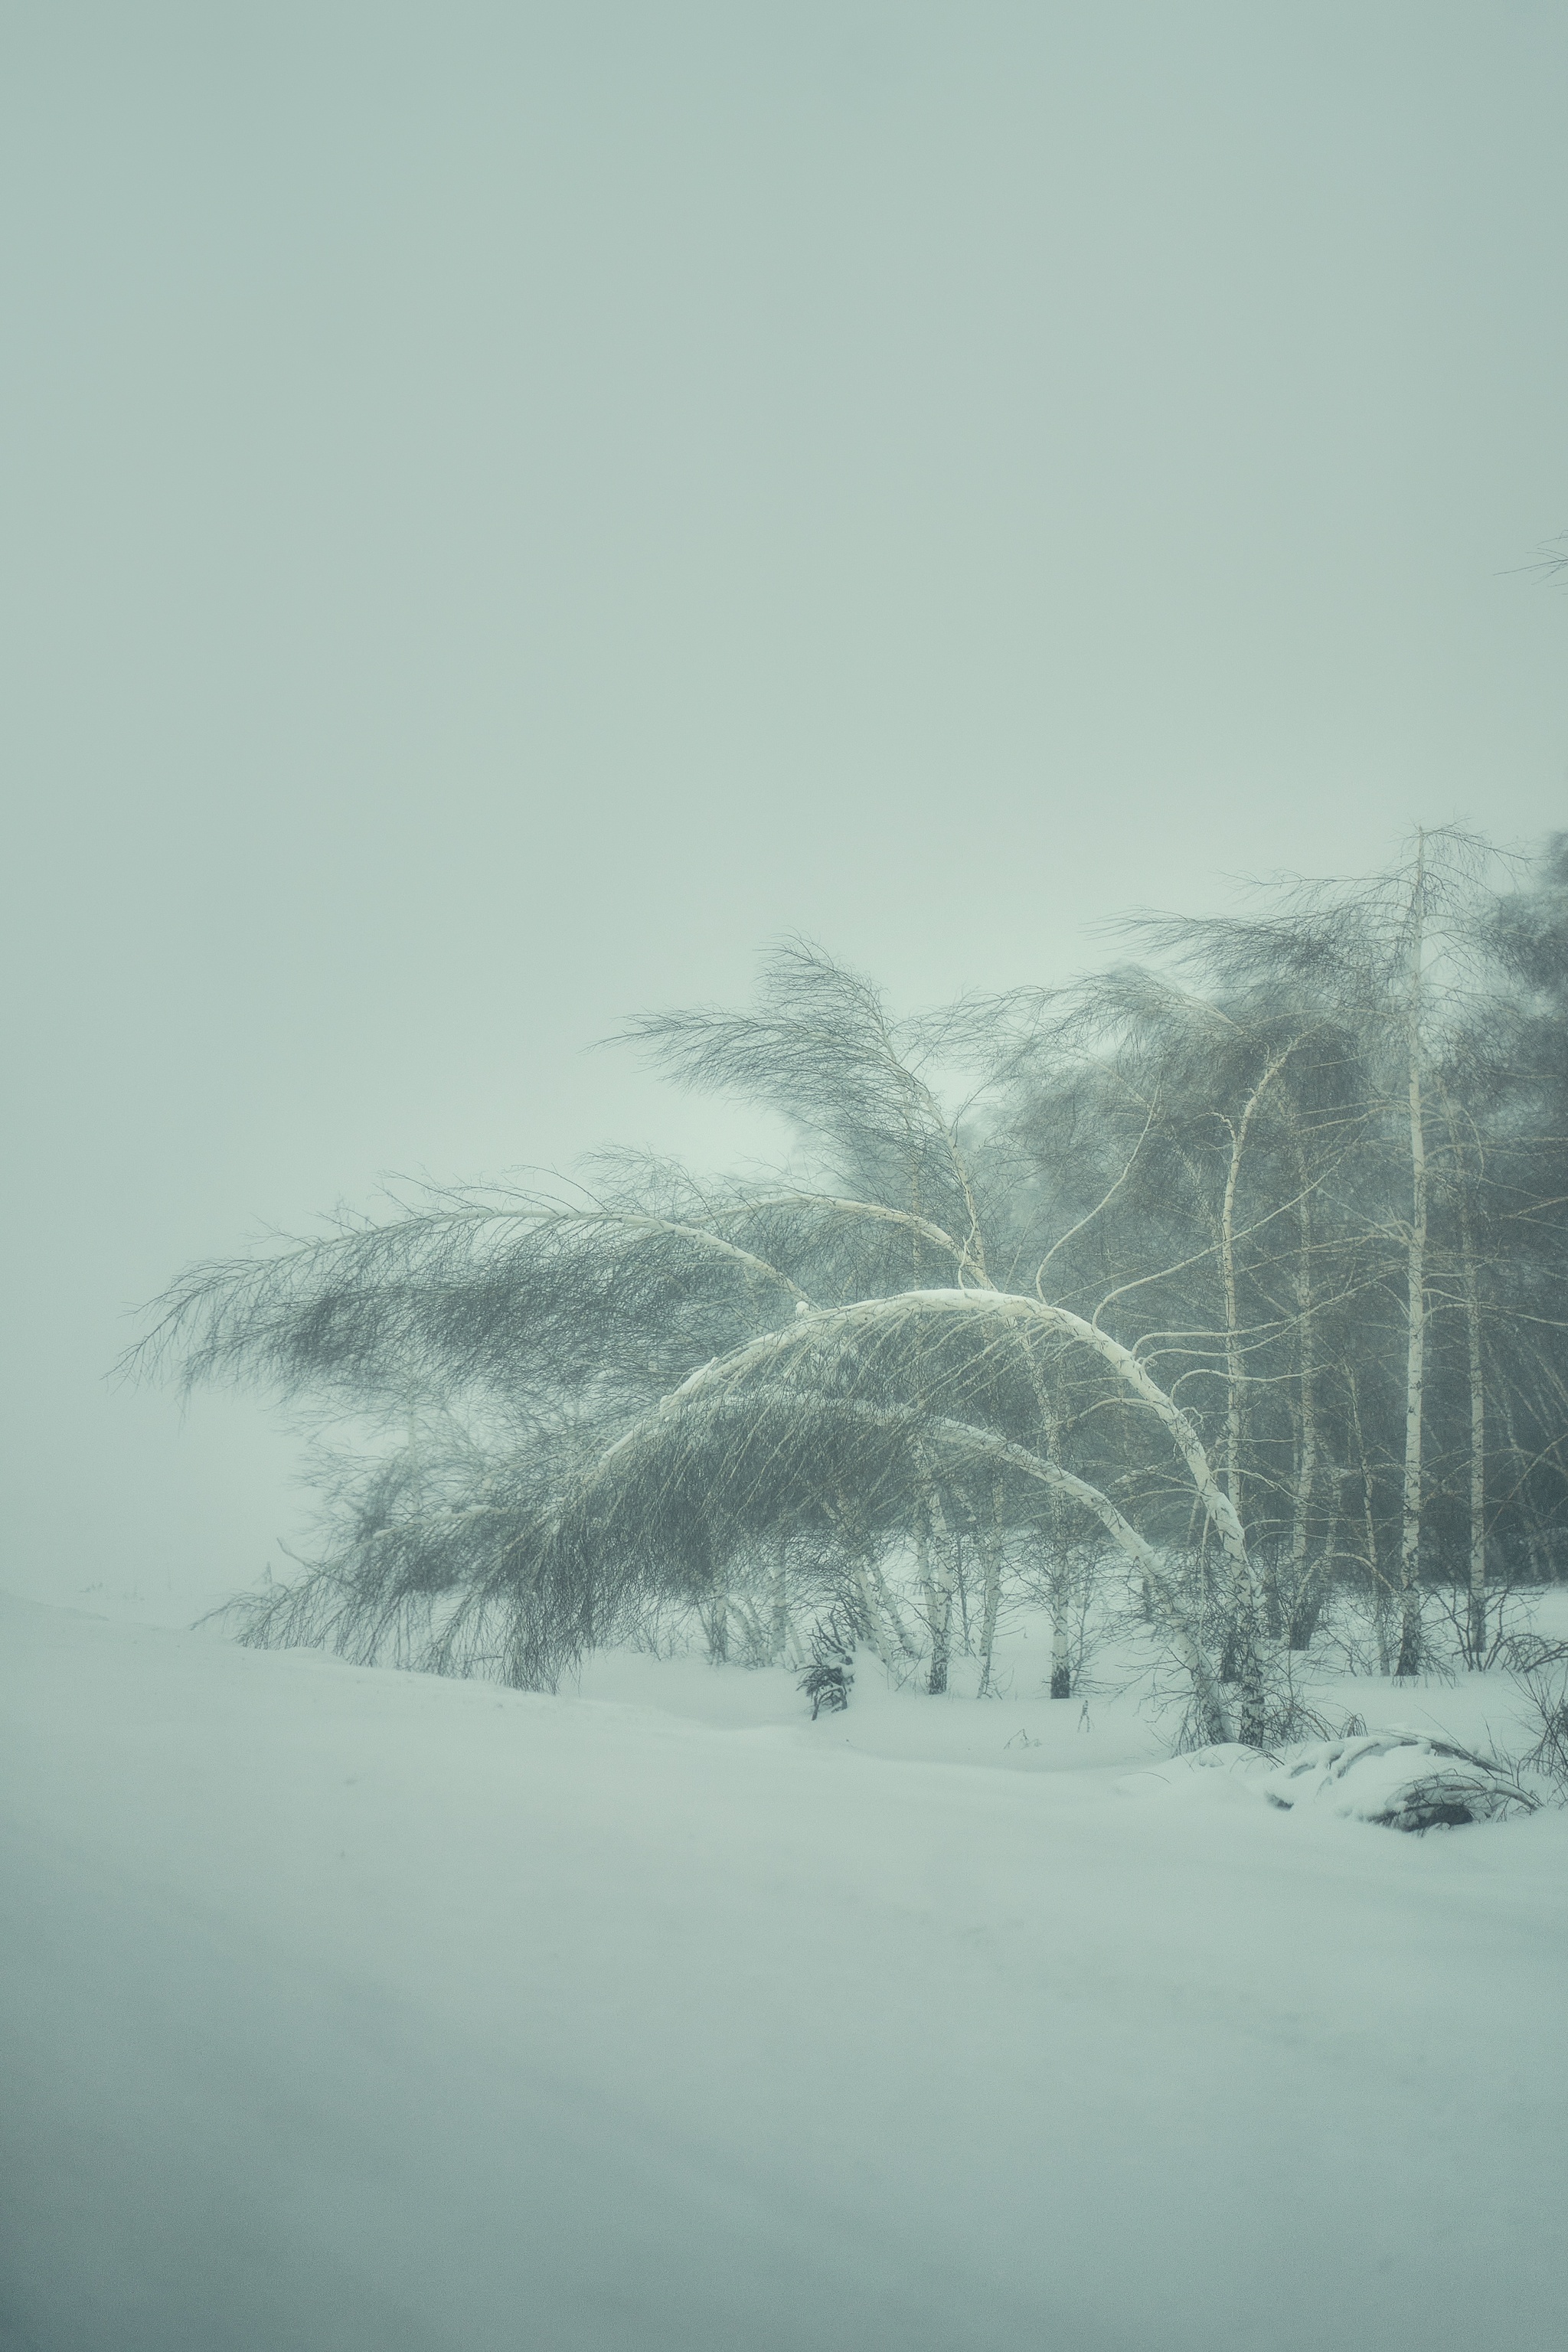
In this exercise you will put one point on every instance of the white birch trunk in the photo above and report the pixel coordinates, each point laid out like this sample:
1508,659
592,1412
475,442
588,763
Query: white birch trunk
1233,1371
1409,1659
1476,1630
1061,1662
771,1350
992,1599
1307,1462
1166,1607
872,1611
891,1613
939,1588
1236,1373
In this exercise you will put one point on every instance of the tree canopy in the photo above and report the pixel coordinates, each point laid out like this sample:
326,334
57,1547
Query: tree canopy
1229,1279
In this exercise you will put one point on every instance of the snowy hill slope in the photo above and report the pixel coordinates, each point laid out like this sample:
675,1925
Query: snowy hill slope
348,2008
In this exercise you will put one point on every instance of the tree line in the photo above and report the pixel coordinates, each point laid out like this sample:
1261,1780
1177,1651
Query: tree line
1227,1281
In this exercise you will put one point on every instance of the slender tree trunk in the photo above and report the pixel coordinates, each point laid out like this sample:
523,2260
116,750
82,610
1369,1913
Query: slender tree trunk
1061,1659
778,1615
938,1585
1222,1516
1532,1525
1165,1606
1409,1658
1061,1662
992,1599
1061,1656
716,1624
1218,1509
1476,1629
870,1608
1061,1669
1307,1459
1377,1591
868,1578
1235,1372
1311,1585
890,1611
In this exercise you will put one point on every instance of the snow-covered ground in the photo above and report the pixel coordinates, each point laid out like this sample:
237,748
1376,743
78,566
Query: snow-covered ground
353,2011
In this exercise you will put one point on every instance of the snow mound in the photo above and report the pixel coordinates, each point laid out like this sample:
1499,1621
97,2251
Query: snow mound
1400,1780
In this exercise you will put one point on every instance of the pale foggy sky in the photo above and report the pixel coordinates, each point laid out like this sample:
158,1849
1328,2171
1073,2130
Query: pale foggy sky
509,509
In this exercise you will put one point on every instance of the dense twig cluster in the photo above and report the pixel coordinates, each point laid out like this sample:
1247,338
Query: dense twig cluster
1241,1271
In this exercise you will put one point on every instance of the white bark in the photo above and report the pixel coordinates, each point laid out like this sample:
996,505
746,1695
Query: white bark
1476,1642
889,1609
810,1326
993,1597
1306,1374
1234,1371
1168,1614
938,1589
1409,1658
872,1609
809,1323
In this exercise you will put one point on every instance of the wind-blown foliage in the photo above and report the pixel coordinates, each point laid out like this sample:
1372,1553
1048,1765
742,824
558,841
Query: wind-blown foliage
1159,1292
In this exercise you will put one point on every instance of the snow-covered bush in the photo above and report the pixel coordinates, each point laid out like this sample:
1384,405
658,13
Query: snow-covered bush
1396,1779
1400,1780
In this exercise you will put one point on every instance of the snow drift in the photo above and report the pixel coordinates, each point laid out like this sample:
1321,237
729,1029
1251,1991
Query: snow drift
353,2011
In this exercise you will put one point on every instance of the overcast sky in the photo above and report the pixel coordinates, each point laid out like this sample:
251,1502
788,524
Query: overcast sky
509,509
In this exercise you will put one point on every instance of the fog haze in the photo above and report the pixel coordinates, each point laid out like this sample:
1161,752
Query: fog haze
508,510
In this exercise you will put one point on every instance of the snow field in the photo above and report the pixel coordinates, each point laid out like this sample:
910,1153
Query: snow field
351,2009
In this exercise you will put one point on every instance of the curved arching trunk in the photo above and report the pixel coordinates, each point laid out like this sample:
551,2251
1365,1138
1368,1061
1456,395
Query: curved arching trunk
1165,1603
810,1326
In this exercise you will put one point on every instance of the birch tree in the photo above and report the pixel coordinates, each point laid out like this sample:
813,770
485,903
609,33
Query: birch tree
1246,1273
611,1343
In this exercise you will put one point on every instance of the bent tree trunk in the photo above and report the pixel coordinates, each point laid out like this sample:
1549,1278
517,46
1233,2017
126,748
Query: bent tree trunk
812,1328
964,1442
1170,1618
